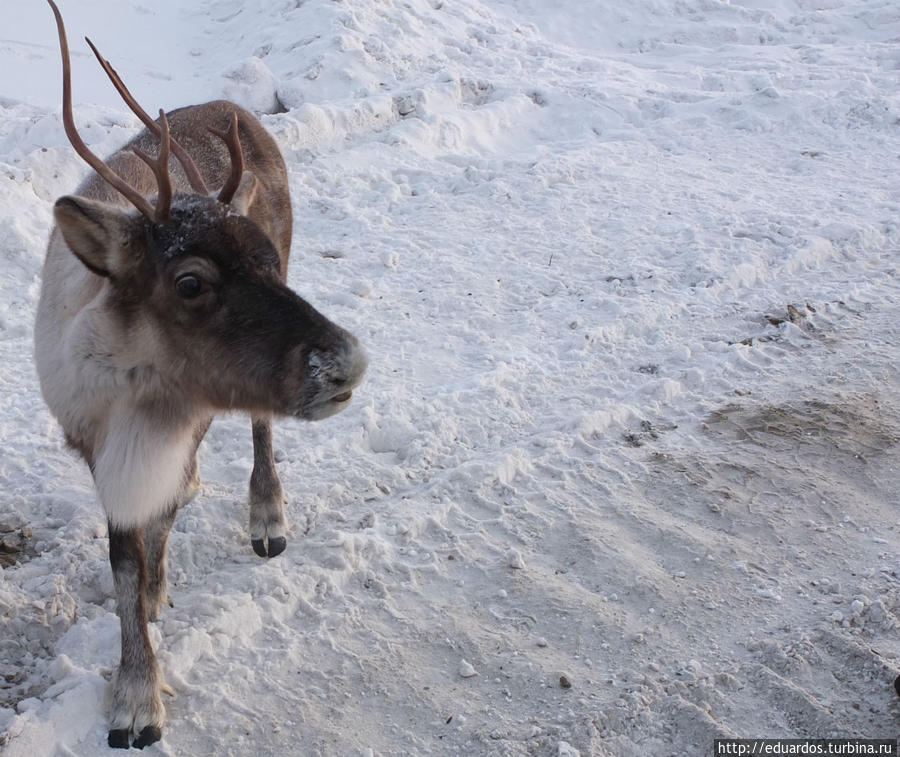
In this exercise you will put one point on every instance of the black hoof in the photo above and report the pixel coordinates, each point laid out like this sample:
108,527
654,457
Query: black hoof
259,546
150,735
897,685
118,739
277,545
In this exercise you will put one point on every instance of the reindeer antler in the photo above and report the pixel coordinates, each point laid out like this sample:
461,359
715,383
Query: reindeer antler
230,138
187,163
160,168
158,214
233,143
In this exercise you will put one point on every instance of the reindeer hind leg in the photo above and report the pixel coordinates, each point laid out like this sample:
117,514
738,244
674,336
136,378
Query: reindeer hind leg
156,533
156,537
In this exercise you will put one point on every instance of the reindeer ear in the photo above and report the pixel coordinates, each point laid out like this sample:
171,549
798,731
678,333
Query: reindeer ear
245,193
92,230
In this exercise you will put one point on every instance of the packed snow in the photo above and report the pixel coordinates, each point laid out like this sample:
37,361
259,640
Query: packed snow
623,476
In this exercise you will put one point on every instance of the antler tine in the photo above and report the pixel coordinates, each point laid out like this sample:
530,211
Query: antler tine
190,168
233,142
160,168
110,176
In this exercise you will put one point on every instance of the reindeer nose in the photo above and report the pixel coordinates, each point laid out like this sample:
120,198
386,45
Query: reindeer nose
340,369
328,371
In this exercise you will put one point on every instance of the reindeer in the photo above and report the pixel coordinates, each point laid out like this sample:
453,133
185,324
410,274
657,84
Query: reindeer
156,313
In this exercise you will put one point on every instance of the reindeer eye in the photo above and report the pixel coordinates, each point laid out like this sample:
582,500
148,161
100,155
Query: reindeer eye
188,286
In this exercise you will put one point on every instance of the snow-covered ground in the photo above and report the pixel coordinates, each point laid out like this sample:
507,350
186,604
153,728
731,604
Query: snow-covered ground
623,477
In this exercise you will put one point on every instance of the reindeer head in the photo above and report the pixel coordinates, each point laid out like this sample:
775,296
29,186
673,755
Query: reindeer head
195,301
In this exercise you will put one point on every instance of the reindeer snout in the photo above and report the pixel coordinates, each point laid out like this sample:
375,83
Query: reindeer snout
333,375
340,368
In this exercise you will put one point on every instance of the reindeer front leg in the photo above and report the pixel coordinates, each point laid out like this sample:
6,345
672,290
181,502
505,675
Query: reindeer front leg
136,705
267,522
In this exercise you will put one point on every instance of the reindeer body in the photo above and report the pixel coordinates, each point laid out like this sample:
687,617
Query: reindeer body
92,365
152,320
